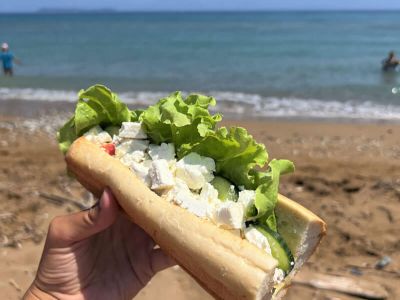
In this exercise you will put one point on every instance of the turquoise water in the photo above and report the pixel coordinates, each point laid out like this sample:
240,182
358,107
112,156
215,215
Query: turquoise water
328,57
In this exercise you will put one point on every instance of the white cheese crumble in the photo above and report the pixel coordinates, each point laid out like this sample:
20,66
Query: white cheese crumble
195,170
228,215
209,194
160,175
194,205
117,140
103,137
129,146
163,151
131,157
132,130
185,198
97,135
246,197
257,238
179,188
142,171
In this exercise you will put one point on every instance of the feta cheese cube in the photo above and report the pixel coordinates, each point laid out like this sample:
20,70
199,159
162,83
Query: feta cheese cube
132,130
141,170
131,157
185,198
246,197
195,170
228,215
209,194
97,135
117,140
257,238
129,146
163,151
181,195
179,188
194,205
160,174
103,137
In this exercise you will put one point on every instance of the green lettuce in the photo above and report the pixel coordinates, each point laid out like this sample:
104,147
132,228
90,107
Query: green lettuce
96,106
267,191
177,120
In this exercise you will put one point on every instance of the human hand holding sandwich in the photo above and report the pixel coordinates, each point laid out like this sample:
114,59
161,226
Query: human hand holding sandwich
96,254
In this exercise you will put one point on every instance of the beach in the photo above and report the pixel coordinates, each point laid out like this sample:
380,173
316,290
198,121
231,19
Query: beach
346,172
307,84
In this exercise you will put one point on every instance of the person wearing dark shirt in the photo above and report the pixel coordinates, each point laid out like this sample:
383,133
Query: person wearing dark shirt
390,63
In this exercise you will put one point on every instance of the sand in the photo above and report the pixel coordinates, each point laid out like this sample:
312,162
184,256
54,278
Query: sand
347,173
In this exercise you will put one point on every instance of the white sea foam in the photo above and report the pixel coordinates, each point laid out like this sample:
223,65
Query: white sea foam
237,104
28,94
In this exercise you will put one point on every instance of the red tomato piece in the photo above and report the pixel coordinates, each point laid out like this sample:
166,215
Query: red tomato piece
109,148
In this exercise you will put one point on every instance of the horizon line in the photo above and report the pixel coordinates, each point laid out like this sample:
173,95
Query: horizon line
112,10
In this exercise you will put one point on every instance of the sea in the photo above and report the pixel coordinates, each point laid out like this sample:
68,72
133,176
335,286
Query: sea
305,64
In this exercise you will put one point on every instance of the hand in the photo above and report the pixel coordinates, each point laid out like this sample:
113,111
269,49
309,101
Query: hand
96,254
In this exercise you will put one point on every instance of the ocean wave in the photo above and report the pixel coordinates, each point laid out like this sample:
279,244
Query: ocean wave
237,104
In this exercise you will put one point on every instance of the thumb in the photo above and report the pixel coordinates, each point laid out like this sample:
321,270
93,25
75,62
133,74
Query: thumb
68,229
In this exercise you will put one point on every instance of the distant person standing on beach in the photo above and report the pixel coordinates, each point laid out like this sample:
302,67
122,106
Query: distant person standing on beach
7,59
390,63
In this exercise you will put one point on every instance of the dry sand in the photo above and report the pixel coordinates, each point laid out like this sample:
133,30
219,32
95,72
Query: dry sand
346,173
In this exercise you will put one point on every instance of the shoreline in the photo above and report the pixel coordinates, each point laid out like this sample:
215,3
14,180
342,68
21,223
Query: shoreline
23,109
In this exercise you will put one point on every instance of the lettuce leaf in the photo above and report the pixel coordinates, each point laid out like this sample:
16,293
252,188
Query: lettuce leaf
267,191
179,121
66,135
96,106
235,153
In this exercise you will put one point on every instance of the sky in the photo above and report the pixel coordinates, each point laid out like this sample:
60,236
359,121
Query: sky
194,5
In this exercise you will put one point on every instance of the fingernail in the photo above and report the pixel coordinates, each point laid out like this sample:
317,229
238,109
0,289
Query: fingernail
106,190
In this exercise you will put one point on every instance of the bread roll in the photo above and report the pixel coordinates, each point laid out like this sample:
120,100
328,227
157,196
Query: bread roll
227,266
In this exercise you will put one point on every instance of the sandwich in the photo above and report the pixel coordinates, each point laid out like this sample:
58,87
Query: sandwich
207,195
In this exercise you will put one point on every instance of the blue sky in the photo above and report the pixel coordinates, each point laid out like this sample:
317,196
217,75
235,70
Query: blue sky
186,5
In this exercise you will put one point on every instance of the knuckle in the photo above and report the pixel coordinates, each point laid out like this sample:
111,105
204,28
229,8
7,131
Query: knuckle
90,217
55,230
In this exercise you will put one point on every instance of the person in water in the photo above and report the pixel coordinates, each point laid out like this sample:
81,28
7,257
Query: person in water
7,59
390,63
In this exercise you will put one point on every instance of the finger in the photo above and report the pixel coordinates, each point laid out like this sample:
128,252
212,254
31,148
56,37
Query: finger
65,230
160,261
142,239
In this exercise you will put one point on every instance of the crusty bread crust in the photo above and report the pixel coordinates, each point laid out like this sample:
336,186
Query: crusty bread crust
302,230
224,264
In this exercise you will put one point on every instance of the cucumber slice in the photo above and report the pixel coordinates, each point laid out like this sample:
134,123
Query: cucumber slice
226,190
279,249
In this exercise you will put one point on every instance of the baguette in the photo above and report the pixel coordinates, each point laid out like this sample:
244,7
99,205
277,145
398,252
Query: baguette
227,266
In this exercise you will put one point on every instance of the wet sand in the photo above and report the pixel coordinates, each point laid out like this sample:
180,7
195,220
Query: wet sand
346,173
